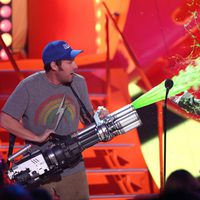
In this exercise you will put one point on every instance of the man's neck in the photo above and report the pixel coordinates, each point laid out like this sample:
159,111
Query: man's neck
52,78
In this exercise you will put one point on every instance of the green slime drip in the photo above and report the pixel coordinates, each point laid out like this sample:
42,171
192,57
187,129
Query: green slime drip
186,79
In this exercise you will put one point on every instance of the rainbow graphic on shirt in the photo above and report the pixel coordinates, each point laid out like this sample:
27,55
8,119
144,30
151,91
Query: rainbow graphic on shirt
46,113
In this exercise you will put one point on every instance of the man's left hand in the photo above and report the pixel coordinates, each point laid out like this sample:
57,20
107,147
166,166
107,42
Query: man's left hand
103,112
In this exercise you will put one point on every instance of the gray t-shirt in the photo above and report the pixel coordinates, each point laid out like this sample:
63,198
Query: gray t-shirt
36,101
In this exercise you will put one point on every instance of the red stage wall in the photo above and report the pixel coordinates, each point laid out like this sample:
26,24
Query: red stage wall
48,21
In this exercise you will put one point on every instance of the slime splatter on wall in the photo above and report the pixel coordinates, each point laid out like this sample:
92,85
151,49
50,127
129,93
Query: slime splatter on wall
186,79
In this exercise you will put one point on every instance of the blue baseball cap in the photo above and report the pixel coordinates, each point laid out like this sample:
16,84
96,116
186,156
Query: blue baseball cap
58,50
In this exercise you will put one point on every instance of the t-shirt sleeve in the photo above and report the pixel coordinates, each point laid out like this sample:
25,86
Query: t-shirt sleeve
16,104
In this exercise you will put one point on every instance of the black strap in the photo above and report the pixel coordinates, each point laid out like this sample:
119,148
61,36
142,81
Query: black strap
12,139
89,118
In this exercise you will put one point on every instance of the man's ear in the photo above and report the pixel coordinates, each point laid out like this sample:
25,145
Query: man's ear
54,67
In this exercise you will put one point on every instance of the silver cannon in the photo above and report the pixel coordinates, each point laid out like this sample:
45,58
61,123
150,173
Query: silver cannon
65,151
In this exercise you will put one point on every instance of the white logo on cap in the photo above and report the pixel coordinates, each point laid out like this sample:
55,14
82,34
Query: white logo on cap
66,46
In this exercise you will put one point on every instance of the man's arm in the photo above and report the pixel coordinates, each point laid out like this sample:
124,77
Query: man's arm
15,127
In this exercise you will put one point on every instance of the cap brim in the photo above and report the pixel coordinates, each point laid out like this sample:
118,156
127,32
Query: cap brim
74,53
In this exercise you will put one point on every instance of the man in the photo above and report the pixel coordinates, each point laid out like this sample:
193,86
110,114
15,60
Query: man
38,101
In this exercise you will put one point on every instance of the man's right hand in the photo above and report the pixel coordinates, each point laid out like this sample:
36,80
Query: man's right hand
45,136
15,127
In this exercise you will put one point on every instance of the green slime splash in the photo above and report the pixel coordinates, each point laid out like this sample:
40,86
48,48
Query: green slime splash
186,79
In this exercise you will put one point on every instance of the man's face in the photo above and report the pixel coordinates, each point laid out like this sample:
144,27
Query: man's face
66,71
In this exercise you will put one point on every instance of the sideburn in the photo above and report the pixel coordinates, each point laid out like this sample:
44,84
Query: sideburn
60,68
58,63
